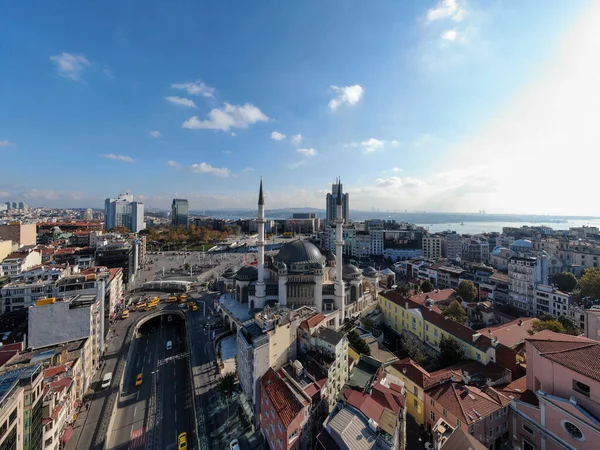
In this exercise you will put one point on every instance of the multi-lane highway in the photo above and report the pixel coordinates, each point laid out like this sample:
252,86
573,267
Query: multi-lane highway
153,414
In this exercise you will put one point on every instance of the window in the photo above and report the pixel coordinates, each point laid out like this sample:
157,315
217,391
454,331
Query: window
528,429
294,435
491,431
13,416
415,390
432,402
445,412
582,388
416,404
472,430
458,423
432,416
573,430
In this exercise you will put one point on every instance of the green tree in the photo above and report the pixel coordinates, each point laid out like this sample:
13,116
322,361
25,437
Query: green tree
467,290
551,325
455,311
226,384
451,352
426,286
571,327
565,281
589,284
404,289
358,344
367,324
186,266
414,351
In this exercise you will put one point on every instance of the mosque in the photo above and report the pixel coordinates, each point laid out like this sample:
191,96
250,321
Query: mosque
300,275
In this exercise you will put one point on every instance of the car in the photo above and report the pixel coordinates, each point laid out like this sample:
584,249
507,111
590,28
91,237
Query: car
169,345
234,445
182,305
182,441
139,379
106,380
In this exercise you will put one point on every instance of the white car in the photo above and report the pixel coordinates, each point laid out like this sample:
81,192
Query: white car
234,445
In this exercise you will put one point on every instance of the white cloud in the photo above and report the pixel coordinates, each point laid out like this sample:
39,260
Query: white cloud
277,136
349,95
6,143
4,194
248,169
307,151
123,158
173,163
396,169
449,35
181,101
234,134
372,145
70,65
230,116
107,71
447,9
196,88
155,134
296,139
227,152
207,168
41,194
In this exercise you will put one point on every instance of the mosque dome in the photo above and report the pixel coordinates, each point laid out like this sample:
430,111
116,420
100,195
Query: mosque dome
299,252
247,273
350,270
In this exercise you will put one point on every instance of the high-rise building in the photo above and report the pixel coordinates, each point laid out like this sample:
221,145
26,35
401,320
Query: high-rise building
331,204
124,212
180,212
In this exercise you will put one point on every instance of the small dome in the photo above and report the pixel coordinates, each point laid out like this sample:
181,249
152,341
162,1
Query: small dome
521,244
498,251
370,272
330,256
230,272
350,270
299,251
247,273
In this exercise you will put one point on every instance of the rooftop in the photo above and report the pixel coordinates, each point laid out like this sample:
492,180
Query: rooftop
352,429
512,333
284,402
10,378
330,336
579,354
459,440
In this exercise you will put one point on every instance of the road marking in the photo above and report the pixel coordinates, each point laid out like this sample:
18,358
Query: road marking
175,416
134,411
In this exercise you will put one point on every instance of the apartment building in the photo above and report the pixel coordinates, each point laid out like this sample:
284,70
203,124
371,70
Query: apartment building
20,233
77,319
592,323
326,349
58,406
358,243
286,408
559,406
549,300
6,248
267,341
452,244
21,408
18,262
432,246
524,273
476,249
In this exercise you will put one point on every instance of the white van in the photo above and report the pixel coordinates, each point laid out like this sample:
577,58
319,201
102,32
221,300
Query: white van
106,380
169,345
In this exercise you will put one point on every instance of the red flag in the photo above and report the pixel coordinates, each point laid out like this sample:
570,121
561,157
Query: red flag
293,222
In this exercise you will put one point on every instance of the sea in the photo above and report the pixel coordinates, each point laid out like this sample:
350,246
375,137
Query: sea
488,227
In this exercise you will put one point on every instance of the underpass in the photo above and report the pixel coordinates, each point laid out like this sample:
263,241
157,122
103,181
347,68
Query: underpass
153,414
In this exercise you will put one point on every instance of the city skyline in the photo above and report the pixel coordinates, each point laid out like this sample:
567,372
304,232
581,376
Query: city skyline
446,106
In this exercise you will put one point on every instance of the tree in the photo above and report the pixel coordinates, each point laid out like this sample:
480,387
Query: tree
119,230
570,325
589,284
226,384
186,266
565,281
403,289
426,286
451,352
367,324
455,312
414,351
551,325
467,290
358,344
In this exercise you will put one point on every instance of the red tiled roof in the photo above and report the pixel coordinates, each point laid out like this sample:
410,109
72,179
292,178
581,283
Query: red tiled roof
281,397
439,296
387,397
413,371
313,321
61,384
511,333
114,273
56,411
365,403
469,404
579,354
10,350
518,390
53,371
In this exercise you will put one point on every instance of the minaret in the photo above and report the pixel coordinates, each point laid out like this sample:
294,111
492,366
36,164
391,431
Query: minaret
260,284
339,251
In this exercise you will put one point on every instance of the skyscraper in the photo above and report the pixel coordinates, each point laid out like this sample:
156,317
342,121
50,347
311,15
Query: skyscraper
124,212
331,204
180,212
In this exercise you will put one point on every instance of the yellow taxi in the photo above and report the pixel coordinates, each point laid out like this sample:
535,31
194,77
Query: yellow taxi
139,379
182,441
194,308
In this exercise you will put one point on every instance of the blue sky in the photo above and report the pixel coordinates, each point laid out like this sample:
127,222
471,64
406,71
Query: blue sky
422,105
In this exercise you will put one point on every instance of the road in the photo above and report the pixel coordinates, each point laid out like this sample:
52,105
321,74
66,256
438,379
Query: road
153,414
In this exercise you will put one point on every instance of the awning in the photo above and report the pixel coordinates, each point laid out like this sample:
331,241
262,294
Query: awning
67,434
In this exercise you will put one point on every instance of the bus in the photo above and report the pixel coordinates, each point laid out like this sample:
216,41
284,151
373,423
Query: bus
171,299
125,314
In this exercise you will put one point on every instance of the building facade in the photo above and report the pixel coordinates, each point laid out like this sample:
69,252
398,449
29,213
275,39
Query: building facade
331,204
124,212
180,212
432,247
20,233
